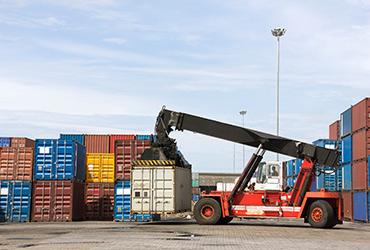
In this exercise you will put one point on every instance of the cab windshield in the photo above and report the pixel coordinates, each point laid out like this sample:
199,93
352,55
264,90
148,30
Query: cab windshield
267,171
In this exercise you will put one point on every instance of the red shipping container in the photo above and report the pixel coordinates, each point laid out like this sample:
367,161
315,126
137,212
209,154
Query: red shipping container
114,138
361,115
361,144
195,190
97,143
99,201
334,130
22,142
16,164
359,175
347,205
125,153
57,201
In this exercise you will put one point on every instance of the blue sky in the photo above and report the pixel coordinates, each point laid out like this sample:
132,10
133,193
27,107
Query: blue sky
106,66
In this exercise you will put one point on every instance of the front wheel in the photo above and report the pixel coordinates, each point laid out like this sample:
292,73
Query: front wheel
207,211
321,215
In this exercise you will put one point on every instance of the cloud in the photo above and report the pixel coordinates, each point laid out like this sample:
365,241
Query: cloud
116,40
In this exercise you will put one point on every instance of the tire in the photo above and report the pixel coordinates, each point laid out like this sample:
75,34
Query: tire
321,215
207,211
225,220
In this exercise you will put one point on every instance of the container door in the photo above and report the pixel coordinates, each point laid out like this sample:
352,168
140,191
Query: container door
141,190
45,160
21,193
4,200
163,181
64,167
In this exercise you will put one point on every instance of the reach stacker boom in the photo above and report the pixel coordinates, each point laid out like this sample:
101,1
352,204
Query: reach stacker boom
320,209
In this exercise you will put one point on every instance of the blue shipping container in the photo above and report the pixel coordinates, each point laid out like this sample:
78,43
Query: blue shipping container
326,143
122,204
59,160
15,201
195,197
346,123
313,185
144,137
347,149
4,142
73,137
368,206
297,166
368,171
347,177
339,177
290,168
360,206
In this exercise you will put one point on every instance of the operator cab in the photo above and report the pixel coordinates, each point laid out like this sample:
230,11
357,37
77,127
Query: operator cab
269,176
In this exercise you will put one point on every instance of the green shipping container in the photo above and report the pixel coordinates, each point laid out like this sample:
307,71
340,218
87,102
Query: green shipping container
195,183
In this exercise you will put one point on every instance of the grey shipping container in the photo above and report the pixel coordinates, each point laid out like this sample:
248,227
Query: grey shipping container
160,188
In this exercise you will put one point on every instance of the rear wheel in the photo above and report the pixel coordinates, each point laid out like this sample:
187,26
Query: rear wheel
225,220
321,215
207,211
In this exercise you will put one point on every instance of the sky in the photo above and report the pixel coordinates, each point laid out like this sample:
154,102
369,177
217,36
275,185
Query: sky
108,66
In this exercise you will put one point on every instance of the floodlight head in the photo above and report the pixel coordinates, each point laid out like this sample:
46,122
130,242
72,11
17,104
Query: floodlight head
278,32
243,112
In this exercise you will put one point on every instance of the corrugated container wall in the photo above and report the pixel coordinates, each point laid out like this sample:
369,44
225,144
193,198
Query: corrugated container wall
22,142
114,138
359,175
334,130
127,151
361,115
57,201
368,172
99,201
100,168
59,160
144,137
347,177
161,188
73,137
346,122
16,164
122,204
346,149
97,143
347,205
4,142
15,201
360,206
361,145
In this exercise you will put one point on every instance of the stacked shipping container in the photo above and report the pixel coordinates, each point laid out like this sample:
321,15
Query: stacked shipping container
59,175
16,164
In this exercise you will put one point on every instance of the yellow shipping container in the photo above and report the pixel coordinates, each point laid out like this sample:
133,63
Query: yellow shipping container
100,167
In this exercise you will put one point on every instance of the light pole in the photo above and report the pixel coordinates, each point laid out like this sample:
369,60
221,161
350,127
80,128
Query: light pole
243,113
278,32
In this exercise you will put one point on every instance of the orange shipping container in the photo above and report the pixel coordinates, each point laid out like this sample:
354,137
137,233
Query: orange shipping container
347,205
22,142
97,143
361,115
359,175
334,131
99,201
360,144
16,164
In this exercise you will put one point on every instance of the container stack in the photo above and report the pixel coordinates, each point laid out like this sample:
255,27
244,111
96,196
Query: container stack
59,175
99,188
127,148
16,163
195,187
292,168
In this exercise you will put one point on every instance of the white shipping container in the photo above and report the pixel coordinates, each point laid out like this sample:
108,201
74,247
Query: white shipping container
160,189
225,187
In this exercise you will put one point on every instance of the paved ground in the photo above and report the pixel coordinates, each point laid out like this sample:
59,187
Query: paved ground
247,234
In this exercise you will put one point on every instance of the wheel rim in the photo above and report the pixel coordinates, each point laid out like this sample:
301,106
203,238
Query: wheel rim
207,211
317,214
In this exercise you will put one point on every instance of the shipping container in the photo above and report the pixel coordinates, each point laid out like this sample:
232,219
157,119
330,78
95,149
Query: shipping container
21,142
361,144
195,183
195,197
347,205
73,137
127,151
122,204
346,149
195,190
99,201
144,137
334,130
361,115
100,168
57,201
290,166
326,143
4,142
359,175
368,206
160,188
368,172
114,138
346,123
339,174
15,201
347,177
290,181
97,143
360,206
16,164
222,186
59,160
297,166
